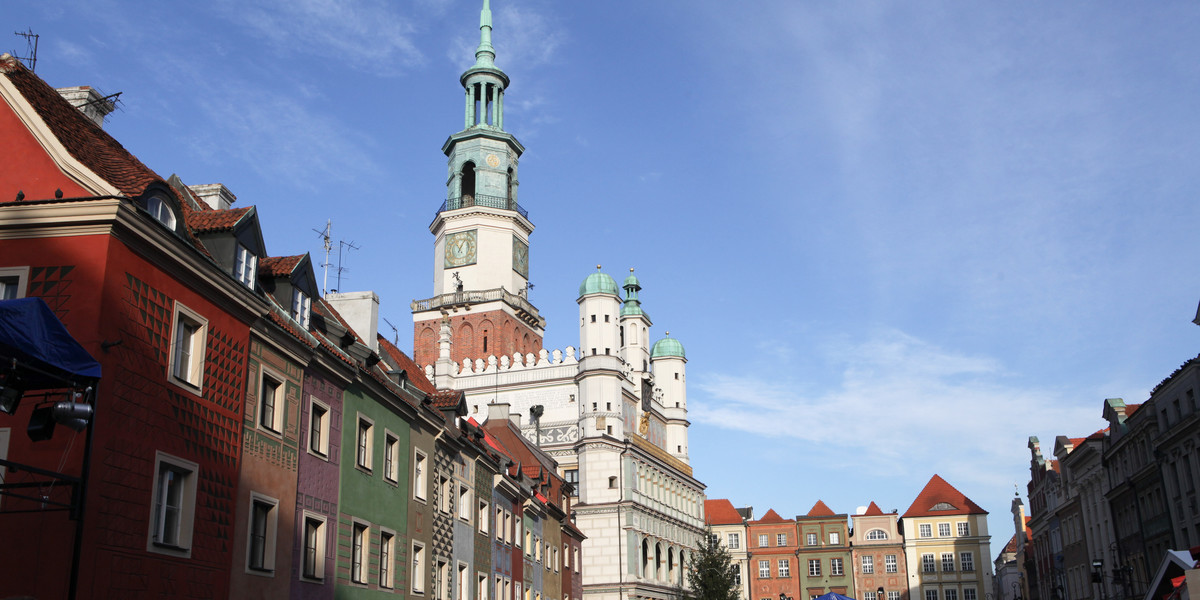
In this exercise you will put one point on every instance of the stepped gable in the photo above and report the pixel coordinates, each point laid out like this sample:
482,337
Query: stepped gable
401,362
721,512
940,498
771,517
85,140
820,510
873,510
214,221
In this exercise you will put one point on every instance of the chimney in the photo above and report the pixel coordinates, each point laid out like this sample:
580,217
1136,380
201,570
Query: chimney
89,101
215,195
361,312
498,412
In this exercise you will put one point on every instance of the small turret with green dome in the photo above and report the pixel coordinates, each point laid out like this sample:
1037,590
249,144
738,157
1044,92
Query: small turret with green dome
632,306
667,347
599,283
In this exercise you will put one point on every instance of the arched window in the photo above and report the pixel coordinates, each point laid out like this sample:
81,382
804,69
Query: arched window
467,185
161,211
877,534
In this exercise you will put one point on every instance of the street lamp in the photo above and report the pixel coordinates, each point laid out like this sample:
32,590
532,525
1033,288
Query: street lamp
1016,594
879,593
783,596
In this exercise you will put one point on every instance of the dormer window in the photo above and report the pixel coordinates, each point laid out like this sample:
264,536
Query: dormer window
301,307
161,211
246,266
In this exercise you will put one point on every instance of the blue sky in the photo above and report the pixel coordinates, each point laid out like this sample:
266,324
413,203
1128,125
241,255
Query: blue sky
896,239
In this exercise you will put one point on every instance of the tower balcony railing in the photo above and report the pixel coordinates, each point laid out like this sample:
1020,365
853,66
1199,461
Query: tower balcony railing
483,200
524,309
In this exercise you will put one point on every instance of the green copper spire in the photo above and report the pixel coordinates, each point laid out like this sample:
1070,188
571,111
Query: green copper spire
485,55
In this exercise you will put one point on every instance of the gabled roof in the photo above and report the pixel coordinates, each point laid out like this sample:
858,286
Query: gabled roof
214,221
721,512
278,266
819,510
401,362
873,510
446,399
84,140
770,518
941,498
1011,546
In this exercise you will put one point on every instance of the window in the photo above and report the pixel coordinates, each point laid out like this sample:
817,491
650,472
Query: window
314,547
418,568
950,594
868,565
926,530
174,502
877,534
889,563
577,565
358,553
893,596
835,538
781,539
391,445
737,576
482,516
158,208
445,494
464,503
363,452
187,352
948,562
871,596
612,481
572,477
967,561
301,307
814,567
764,569
735,541
785,567
464,582
270,401
260,553
762,540
943,530
318,428
387,552
420,475
836,567
927,564
931,595
810,539
964,530
481,587
245,267
969,594
13,282
554,562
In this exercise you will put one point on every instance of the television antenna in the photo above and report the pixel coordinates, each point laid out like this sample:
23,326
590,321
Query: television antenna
395,333
31,46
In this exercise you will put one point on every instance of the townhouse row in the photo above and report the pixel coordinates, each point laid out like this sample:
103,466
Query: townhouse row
247,437
937,550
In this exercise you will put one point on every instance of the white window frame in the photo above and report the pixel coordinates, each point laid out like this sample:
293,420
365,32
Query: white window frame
969,593
868,564
762,540
161,211
950,594
764,569
948,562
964,529
318,548
387,558
190,472
810,539
735,540
245,266
928,563
187,374
484,517
278,401
835,538
270,532
931,594
322,428
836,566
391,457
464,581
16,279
925,530
893,595
814,567
781,539
877,534
943,530
966,562
889,564
481,586
419,561
360,551
364,450
301,307
464,501
420,476
784,567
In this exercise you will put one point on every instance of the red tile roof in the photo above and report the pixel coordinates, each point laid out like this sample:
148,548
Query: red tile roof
400,361
721,512
212,221
82,138
820,510
936,492
1011,546
277,266
770,517
443,399
1099,435
873,510
1131,408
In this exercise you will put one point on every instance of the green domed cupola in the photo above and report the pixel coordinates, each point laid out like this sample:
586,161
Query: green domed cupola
598,283
666,347
632,306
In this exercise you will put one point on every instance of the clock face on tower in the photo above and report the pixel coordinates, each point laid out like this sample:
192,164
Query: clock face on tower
460,249
520,257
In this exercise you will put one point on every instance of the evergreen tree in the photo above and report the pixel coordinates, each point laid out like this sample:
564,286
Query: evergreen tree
711,572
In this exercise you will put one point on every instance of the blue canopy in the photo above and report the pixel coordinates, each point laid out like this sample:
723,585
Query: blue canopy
33,335
833,596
